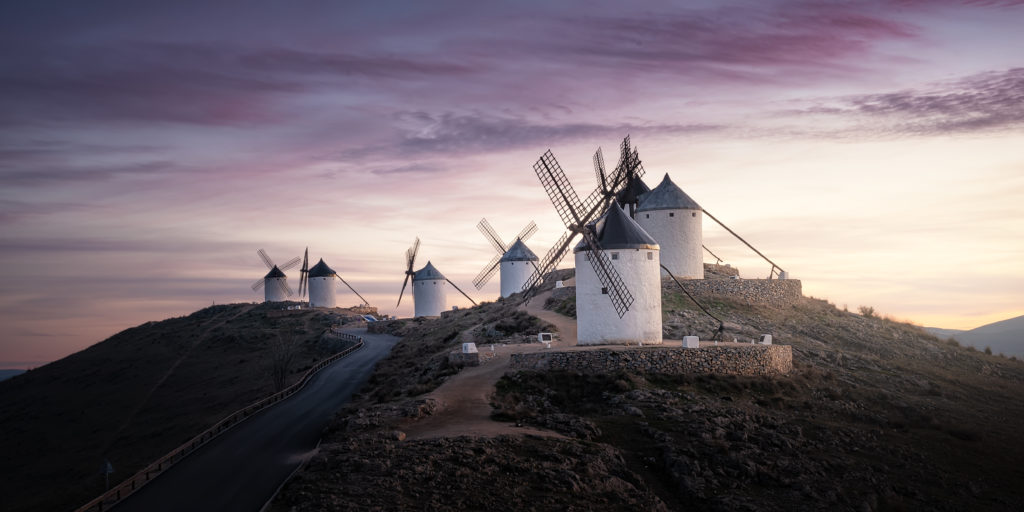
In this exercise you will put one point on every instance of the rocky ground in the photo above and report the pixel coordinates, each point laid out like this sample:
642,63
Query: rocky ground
877,415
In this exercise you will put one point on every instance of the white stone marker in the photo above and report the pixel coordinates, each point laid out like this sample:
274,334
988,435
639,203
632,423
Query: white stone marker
691,342
766,339
469,348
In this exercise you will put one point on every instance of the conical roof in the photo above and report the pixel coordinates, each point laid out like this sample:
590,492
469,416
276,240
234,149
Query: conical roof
426,273
274,272
667,196
634,191
615,230
519,252
322,270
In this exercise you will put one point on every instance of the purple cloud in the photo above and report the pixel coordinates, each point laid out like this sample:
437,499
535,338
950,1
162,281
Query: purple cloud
982,102
465,134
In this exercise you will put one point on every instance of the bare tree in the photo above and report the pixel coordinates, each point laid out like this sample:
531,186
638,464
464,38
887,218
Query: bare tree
282,353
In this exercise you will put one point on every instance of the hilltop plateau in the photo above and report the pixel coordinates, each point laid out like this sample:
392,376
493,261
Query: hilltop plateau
876,415
135,396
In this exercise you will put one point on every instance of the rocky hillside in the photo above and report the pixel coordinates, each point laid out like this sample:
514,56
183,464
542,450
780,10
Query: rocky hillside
877,415
142,392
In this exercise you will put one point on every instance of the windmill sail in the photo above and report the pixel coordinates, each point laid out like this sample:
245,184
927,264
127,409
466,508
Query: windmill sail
577,216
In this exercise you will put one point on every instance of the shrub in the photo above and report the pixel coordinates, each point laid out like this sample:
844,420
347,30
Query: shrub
867,311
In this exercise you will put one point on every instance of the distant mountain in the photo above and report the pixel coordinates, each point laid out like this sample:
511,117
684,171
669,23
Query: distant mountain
1004,337
6,374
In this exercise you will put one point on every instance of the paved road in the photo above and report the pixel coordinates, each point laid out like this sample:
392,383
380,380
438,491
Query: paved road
243,468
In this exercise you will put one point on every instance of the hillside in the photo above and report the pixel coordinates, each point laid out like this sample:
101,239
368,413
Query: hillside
877,415
1004,337
140,393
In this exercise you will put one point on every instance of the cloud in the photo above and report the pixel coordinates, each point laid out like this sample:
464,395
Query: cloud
192,83
983,102
456,134
43,175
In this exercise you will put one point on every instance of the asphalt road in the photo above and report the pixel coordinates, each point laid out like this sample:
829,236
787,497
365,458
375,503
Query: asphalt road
243,468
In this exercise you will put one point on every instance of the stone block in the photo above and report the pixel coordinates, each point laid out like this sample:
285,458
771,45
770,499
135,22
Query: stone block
469,348
766,339
691,342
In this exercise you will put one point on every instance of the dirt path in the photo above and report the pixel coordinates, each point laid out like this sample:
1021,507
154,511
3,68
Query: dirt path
463,400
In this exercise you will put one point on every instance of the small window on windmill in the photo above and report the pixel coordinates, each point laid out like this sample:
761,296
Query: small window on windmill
650,255
647,215
615,255
604,291
694,214
671,214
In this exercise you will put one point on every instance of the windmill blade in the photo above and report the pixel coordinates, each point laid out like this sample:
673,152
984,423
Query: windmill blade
290,264
460,291
287,289
258,284
403,290
304,274
266,259
559,190
410,255
606,273
550,261
354,291
491,235
527,232
488,272
602,180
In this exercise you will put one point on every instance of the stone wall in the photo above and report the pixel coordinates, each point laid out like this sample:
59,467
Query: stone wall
751,291
716,359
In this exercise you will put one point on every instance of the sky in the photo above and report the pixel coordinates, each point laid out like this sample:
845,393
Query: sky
873,149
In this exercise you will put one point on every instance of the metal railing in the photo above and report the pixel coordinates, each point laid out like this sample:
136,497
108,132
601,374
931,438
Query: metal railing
145,475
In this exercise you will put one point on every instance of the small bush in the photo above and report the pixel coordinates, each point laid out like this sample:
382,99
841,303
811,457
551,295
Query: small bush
867,311
988,350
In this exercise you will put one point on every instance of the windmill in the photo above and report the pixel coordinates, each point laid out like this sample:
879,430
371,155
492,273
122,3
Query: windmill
275,286
428,294
319,283
508,255
577,216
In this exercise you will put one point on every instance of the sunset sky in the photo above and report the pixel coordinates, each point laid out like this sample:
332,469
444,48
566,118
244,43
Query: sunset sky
148,149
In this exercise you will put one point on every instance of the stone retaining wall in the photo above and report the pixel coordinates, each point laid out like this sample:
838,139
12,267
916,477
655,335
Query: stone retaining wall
752,291
716,359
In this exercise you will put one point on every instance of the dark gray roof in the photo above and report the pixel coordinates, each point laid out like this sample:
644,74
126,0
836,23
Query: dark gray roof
519,252
634,190
426,273
274,272
667,196
615,230
321,270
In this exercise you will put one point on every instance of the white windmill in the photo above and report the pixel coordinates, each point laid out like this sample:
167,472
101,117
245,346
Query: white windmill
515,260
634,254
675,221
321,284
607,311
429,297
275,284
